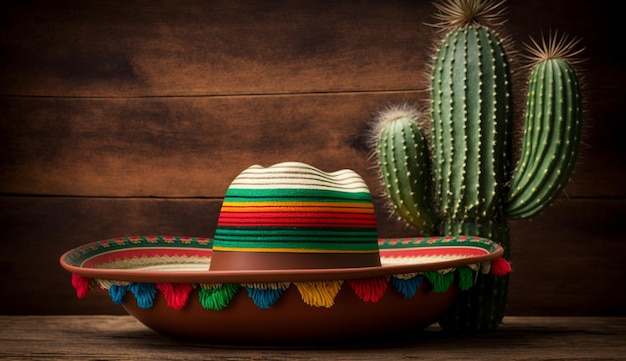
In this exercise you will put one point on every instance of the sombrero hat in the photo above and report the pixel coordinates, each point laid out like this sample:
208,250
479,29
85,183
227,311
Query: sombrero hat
295,259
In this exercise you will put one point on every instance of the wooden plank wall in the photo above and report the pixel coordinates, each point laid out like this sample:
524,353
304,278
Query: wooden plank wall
131,118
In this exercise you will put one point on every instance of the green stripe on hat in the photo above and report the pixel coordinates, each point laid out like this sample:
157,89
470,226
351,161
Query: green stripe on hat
295,195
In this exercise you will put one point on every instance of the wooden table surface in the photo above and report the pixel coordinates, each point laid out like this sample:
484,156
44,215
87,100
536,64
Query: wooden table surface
123,338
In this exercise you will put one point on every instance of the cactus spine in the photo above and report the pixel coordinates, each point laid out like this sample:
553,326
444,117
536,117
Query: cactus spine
466,168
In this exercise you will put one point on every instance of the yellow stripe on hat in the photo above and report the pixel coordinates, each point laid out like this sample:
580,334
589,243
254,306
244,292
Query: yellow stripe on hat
291,209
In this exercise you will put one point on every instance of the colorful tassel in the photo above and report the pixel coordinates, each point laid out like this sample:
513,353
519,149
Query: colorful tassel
176,294
81,284
144,294
407,286
264,295
319,294
369,289
217,296
466,278
117,293
441,281
500,267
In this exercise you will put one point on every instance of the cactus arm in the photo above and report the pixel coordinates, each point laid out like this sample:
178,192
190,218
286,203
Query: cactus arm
403,163
553,125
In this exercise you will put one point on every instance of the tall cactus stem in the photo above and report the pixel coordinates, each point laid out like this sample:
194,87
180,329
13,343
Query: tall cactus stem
470,110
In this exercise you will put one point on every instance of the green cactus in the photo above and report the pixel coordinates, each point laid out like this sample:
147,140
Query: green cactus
553,124
403,156
462,183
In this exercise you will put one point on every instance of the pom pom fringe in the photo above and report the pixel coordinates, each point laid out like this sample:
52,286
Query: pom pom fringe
318,294
265,295
176,295
117,293
407,286
217,297
144,294
466,278
81,285
500,267
440,281
369,289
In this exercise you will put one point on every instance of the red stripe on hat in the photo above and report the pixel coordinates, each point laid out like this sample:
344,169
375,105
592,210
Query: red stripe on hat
294,215
296,219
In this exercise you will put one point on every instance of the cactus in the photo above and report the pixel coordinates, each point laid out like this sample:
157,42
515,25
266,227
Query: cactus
463,181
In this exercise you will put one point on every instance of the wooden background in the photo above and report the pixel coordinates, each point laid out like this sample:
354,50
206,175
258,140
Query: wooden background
126,118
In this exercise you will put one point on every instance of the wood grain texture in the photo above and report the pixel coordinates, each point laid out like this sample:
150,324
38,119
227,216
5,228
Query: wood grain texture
194,147
123,338
113,92
182,147
196,48
174,48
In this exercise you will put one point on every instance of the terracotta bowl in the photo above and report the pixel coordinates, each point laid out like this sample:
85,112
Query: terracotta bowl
291,322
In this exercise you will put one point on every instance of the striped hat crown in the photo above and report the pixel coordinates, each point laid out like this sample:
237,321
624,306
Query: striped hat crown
293,215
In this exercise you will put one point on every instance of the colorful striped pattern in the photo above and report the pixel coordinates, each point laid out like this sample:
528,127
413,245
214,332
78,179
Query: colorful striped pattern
294,207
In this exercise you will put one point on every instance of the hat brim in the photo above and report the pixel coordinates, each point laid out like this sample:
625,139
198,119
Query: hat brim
164,282
165,259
